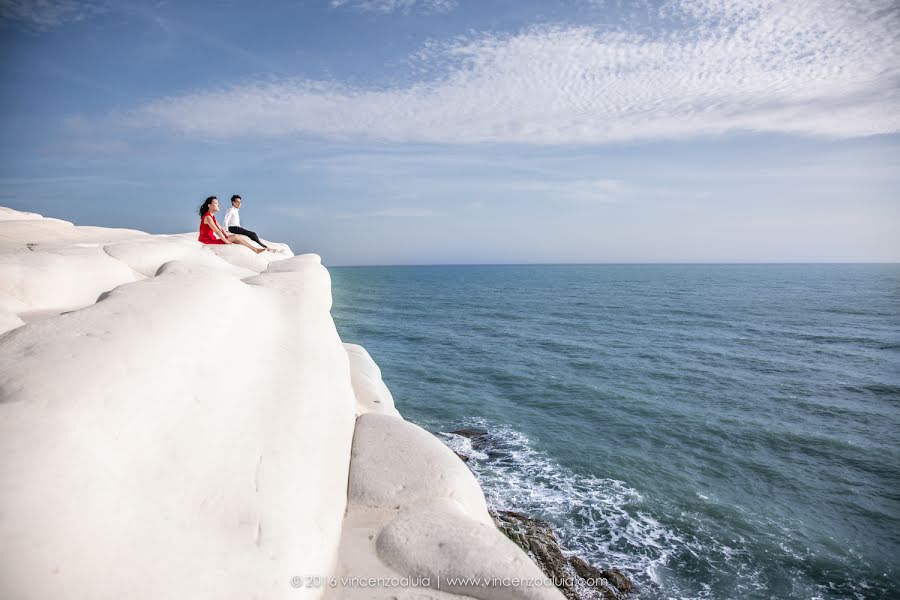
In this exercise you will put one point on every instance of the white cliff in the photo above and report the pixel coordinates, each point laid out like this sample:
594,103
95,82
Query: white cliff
183,421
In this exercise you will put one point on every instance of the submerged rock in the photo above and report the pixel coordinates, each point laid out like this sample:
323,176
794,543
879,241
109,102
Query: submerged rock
482,443
469,432
478,438
574,576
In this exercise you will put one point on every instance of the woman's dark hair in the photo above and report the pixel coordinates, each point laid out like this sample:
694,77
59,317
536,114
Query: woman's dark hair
235,197
205,208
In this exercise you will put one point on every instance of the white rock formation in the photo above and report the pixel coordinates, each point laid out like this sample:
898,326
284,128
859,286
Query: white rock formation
183,421
372,395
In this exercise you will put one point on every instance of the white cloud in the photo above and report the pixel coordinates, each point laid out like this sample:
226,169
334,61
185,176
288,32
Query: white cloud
403,6
45,14
711,67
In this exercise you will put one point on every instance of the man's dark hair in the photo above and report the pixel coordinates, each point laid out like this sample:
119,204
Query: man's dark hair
235,197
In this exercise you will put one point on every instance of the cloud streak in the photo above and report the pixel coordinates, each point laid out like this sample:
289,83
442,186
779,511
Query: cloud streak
707,68
402,6
393,213
47,14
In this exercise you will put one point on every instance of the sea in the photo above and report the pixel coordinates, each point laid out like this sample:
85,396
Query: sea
714,431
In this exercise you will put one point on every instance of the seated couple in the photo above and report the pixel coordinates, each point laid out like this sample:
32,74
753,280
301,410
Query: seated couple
212,233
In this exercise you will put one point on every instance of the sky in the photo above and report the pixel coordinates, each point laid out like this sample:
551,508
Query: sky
458,132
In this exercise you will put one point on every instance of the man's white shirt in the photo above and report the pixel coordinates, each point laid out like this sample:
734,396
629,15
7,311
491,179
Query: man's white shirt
232,218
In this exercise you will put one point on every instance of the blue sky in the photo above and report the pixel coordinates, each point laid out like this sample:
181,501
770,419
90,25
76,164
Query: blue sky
447,131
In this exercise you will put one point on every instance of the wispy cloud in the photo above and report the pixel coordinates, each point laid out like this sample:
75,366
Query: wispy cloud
394,212
402,6
406,213
46,14
708,68
315,212
580,190
295,212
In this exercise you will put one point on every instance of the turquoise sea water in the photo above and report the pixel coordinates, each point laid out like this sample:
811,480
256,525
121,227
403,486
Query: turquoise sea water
717,431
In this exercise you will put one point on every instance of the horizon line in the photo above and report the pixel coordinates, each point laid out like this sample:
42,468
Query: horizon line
611,264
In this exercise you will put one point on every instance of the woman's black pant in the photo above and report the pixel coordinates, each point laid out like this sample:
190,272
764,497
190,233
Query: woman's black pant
248,233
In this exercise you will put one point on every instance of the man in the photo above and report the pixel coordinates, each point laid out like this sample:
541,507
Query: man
232,221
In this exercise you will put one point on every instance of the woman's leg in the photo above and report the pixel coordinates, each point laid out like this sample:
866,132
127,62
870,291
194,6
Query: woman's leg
239,239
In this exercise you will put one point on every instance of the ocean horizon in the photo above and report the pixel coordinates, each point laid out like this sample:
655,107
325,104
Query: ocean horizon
715,430
599,264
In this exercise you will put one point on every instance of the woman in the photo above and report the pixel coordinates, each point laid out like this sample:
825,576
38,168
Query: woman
209,227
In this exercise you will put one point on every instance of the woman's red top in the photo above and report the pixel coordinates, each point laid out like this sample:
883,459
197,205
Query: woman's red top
206,232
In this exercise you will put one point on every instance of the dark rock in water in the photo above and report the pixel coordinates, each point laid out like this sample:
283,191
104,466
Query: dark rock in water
480,439
574,577
619,580
601,579
470,432
536,537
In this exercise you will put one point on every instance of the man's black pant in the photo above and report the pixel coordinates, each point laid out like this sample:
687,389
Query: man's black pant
248,233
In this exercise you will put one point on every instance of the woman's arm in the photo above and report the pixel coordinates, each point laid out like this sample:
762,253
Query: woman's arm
216,229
